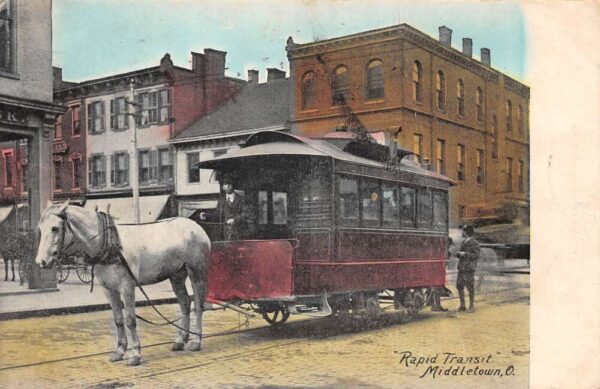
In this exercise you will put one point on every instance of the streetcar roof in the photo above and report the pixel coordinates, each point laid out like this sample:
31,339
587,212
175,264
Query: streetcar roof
274,143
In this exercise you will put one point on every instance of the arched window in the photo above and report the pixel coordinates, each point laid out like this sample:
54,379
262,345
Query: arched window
479,104
495,137
440,90
509,123
375,84
340,85
417,81
460,97
308,90
520,125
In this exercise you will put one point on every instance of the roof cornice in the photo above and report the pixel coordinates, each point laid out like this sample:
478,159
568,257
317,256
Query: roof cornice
233,134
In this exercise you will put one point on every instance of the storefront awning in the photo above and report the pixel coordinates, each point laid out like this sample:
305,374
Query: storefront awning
188,207
123,211
5,212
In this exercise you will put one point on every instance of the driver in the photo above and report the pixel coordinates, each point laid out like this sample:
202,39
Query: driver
228,212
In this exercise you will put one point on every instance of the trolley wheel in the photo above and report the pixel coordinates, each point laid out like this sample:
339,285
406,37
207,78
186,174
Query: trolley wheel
62,273
84,272
275,315
372,308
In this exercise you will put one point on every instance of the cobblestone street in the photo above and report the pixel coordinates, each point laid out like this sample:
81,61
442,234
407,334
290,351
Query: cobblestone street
72,350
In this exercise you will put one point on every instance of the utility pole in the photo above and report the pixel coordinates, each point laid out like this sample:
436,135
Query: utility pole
135,183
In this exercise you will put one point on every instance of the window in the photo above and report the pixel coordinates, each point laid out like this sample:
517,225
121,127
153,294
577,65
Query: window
164,104
118,114
370,201
119,175
165,165
417,80
408,204
348,201
440,211
520,126
509,168
57,176
96,117
440,156
154,107
76,124
440,90
495,137
460,98
340,85
424,207
144,167
58,127
479,105
193,171
7,36
308,90
521,176
418,147
480,167
263,207
97,171
375,83
390,196
8,169
280,202
24,175
76,172
509,124
460,157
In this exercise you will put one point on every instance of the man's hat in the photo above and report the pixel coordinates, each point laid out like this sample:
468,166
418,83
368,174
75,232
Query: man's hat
468,229
227,179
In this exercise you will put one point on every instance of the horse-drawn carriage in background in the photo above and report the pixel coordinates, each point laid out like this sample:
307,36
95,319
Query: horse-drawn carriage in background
329,231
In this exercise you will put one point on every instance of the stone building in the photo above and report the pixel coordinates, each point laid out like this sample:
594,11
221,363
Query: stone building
459,115
97,161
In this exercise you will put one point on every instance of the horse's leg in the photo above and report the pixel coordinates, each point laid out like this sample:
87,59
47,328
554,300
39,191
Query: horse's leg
198,279
12,267
117,308
178,283
128,296
5,269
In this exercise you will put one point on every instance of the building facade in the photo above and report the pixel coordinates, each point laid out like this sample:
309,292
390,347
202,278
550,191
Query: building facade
460,116
27,112
151,105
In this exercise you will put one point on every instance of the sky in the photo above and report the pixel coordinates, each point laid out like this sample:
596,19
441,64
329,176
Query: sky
96,38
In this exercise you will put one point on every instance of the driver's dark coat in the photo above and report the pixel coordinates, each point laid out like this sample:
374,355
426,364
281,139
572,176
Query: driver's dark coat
228,210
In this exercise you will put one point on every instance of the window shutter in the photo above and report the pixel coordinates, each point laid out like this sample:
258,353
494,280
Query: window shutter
89,119
112,169
125,112
126,167
153,165
103,175
90,167
113,125
101,115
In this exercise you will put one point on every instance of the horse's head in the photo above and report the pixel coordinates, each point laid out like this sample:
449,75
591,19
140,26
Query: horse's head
52,235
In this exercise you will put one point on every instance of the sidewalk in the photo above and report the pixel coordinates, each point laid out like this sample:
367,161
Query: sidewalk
73,296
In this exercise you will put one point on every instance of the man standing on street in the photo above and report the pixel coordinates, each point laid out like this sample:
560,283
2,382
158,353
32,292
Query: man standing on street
467,263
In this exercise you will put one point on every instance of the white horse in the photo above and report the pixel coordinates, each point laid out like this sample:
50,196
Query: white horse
171,249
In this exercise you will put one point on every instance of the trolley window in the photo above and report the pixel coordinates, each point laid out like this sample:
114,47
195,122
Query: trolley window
370,200
391,204
424,207
348,201
263,207
280,202
408,205
440,211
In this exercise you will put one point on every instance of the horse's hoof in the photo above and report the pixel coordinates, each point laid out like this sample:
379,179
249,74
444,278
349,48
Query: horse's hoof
195,346
177,346
116,357
134,360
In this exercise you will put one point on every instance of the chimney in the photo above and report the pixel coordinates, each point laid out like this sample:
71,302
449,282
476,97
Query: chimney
214,63
57,73
468,47
486,57
197,62
274,74
445,36
253,76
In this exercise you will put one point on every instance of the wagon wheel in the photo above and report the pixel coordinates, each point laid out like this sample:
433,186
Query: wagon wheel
84,273
372,307
276,315
62,273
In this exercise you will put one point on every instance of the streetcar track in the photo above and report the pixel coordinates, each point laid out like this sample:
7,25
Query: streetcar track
382,324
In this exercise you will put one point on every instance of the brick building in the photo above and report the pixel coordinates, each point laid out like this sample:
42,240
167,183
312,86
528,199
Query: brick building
94,139
460,116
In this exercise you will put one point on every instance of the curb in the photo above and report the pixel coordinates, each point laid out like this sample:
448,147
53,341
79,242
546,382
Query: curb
76,309
28,291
